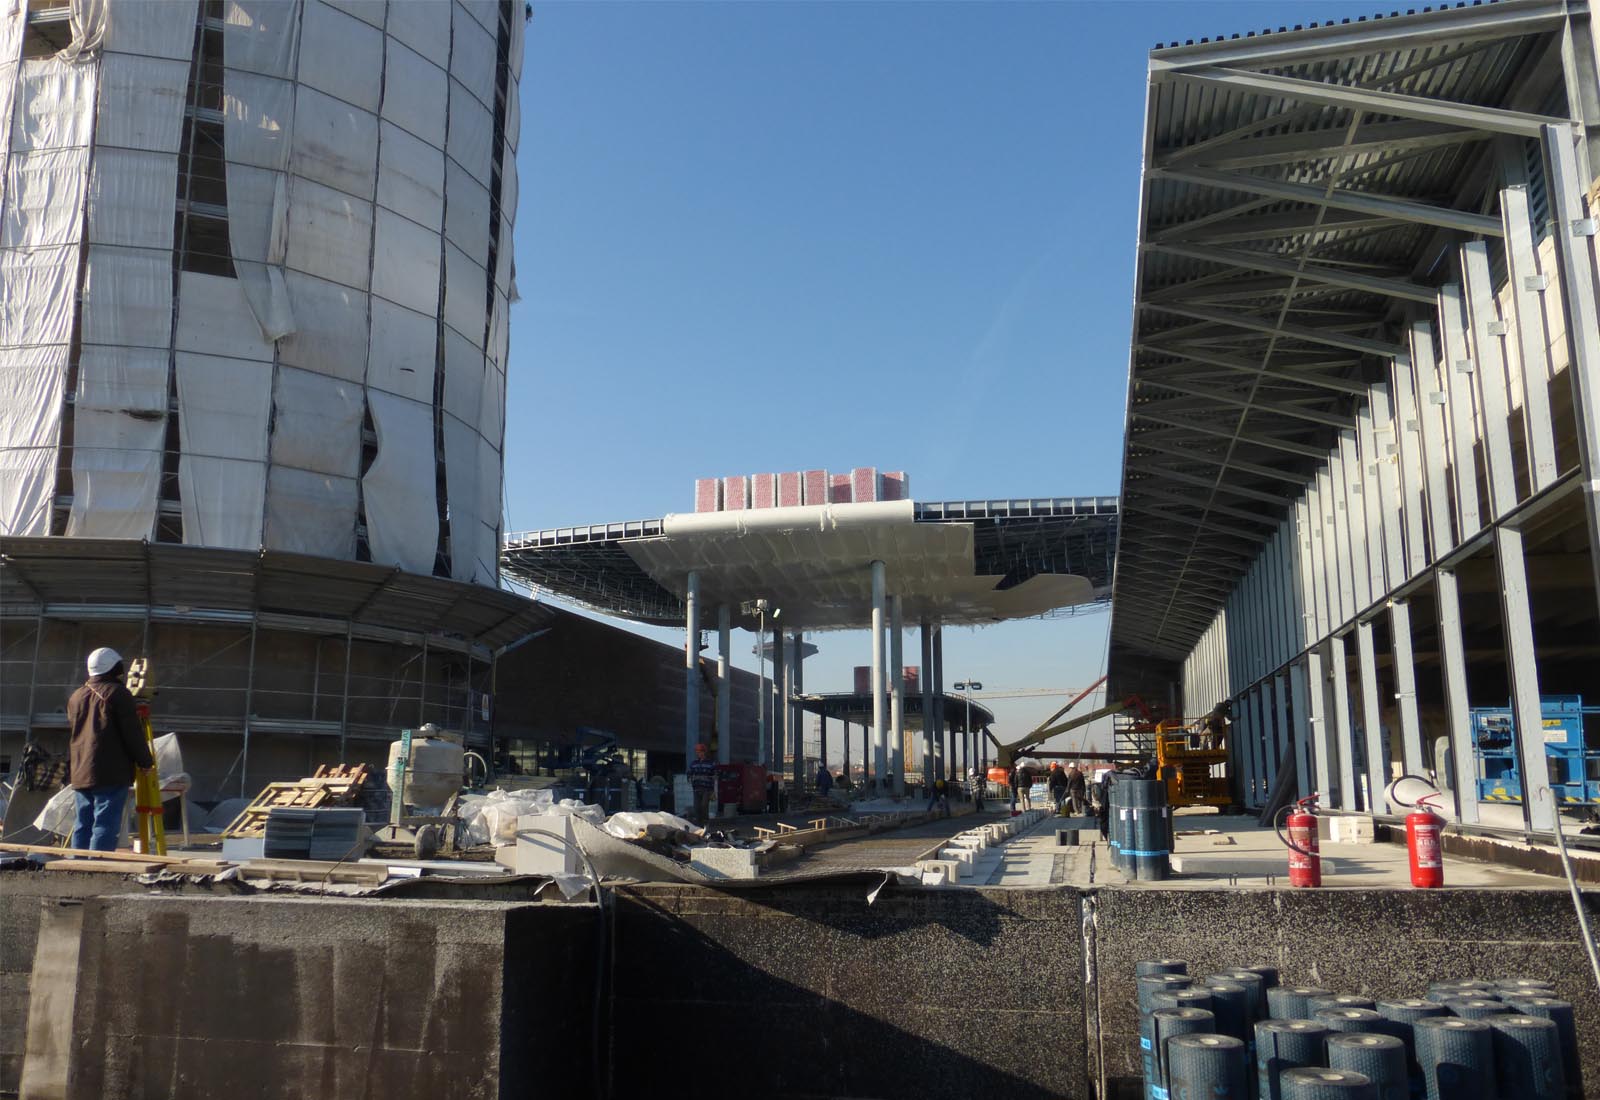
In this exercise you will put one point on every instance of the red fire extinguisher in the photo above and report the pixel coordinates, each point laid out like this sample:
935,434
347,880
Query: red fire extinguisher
1305,863
1423,828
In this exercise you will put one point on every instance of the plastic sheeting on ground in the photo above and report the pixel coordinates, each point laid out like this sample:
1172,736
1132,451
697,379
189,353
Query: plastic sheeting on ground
399,487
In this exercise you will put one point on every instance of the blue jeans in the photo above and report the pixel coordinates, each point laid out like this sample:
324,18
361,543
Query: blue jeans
99,818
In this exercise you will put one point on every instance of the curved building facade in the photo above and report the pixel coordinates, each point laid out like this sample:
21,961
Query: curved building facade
255,278
255,274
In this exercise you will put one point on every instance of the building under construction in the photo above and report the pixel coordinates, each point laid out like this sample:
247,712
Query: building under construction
1360,515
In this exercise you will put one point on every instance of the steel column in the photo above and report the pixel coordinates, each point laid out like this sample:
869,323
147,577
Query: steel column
1574,256
925,683
1283,732
897,700
797,713
1405,687
1521,662
1430,401
1300,690
1371,719
1453,662
691,667
1339,690
880,744
940,748
724,685
1527,286
1490,348
782,712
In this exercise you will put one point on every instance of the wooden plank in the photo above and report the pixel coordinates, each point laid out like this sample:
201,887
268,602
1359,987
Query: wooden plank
104,866
52,850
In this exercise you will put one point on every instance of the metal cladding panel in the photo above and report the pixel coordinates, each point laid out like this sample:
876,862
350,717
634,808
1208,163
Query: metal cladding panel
335,205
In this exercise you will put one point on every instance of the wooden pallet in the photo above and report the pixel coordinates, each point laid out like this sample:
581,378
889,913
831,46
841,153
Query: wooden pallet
328,786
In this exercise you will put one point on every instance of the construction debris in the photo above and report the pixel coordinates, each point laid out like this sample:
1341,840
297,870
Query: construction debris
338,785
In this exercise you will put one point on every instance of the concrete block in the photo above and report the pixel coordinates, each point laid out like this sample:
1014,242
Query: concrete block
962,858
537,852
742,863
1253,866
968,840
949,868
1346,830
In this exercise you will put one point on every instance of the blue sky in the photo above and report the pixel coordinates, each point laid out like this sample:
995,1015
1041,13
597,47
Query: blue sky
774,236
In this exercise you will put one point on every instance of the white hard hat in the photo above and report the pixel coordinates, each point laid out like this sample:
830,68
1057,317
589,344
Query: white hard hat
103,660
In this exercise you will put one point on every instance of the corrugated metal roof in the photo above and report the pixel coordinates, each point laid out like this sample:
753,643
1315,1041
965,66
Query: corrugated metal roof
1269,288
65,575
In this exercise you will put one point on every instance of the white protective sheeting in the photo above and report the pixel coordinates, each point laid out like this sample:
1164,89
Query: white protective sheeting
87,18
258,119
466,294
316,423
471,554
424,25
223,501
368,11
463,378
132,379
472,55
489,491
116,473
13,16
54,106
331,336
398,489
36,291
30,429
44,197
334,143
310,513
142,100
415,92
127,297
223,405
130,199
405,267
261,36
214,319
411,177
513,125
151,30
471,140
341,55
492,411
330,235
466,218
404,352
500,331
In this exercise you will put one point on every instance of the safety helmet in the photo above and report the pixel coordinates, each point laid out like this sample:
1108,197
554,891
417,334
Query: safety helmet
103,660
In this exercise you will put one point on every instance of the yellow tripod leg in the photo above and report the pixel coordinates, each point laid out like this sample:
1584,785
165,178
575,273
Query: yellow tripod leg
147,798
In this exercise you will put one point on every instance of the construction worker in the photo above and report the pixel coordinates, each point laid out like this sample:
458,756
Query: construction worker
703,778
1057,785
108,744
939,796
824,780
1077,789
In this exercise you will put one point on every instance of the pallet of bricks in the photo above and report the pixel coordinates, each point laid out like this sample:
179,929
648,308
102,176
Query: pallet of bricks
337,785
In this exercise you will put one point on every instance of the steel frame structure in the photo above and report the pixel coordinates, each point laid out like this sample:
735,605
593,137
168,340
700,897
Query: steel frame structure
1366,265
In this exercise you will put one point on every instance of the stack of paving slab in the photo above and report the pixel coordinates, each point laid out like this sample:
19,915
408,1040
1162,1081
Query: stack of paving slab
975,854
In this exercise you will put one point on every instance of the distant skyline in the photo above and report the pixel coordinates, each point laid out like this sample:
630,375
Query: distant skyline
778,236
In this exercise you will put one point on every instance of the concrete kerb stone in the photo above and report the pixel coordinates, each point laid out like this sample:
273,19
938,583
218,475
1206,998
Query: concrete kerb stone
962,857
948,868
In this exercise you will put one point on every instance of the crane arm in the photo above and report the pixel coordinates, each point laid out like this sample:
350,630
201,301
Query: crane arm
1008,753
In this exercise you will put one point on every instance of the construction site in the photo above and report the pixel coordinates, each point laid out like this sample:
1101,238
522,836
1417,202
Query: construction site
432,814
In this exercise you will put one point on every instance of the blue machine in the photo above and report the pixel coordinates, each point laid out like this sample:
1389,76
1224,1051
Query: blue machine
1574,766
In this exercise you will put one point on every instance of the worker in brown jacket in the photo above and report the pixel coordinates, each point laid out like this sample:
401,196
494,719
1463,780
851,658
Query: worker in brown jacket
108,743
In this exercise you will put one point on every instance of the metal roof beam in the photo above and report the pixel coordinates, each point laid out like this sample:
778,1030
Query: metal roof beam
1362,202
1267,226
1269,472
1319,273
1304,450
1150,470
1222,397
1380,137
1419,31
1216,359
1199,521
1466,116
1146,488
1273,328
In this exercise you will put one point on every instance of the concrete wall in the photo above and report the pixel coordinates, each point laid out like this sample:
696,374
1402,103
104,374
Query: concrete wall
784,992
290,997
809,991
